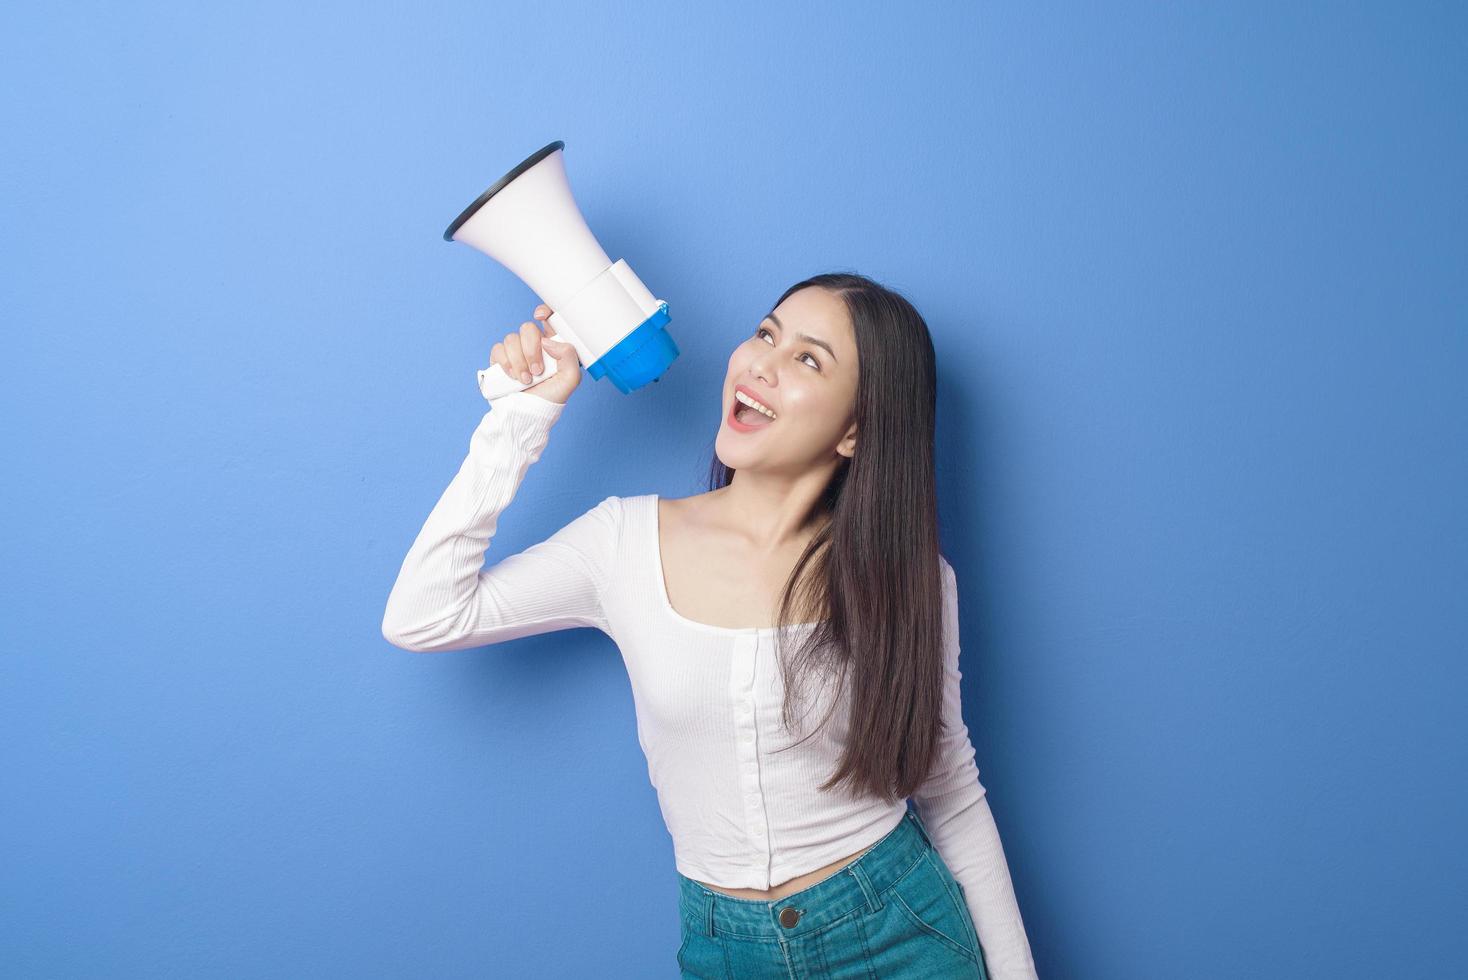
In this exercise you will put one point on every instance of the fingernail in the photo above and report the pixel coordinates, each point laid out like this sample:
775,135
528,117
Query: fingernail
525,377
539,367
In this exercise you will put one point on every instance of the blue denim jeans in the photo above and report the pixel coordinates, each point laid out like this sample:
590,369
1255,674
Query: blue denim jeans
894,913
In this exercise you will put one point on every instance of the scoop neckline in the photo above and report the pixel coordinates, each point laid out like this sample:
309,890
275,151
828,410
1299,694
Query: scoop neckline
667,604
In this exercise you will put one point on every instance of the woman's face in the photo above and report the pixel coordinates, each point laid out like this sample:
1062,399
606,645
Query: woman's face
801,362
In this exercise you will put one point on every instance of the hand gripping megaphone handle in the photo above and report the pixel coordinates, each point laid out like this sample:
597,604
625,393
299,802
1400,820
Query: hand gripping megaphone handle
495,383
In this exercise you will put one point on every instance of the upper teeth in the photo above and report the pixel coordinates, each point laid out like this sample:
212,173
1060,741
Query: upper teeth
752,403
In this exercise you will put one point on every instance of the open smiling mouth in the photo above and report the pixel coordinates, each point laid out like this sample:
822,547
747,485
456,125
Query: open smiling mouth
742,418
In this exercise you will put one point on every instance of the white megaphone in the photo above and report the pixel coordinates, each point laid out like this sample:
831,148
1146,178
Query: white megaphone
529,223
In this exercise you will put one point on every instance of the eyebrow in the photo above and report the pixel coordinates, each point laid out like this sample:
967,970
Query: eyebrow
807,338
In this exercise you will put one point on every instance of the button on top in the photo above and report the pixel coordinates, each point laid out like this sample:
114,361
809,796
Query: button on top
789,916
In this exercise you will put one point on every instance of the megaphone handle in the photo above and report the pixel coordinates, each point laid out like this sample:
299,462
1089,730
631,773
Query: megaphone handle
495,383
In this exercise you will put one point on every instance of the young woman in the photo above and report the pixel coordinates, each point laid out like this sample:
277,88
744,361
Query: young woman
791,636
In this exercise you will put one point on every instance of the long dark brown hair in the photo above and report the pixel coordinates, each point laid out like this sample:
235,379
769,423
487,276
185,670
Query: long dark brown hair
873,567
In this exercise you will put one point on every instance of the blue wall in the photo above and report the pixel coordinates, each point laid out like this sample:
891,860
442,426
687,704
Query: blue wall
1196,277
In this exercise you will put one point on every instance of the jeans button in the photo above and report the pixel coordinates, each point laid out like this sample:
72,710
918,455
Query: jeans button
789,916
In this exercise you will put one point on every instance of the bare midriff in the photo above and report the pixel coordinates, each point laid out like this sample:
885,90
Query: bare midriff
793,885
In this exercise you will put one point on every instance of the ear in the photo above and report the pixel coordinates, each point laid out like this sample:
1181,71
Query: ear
847,446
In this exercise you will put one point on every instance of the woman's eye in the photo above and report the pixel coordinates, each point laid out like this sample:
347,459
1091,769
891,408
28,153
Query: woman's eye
816,364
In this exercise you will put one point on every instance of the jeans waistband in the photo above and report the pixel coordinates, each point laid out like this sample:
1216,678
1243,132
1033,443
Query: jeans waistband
859,884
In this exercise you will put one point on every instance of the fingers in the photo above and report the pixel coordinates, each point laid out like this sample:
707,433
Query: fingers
543,314
509,355
530,347
520,353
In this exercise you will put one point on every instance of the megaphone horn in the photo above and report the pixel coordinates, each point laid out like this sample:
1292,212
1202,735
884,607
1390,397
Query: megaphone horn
528,222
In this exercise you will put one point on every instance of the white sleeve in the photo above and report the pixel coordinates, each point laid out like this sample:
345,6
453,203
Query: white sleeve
954,808
445,599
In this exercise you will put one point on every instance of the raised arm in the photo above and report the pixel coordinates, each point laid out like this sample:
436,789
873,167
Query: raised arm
954,808
445,599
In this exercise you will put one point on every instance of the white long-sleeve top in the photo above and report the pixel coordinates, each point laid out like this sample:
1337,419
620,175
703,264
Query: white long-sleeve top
708,699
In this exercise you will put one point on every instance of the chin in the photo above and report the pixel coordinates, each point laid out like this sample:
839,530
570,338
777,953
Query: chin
732,454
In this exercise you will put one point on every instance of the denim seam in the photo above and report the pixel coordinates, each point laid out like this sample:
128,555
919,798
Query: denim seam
821,952
785,955
959,901
728,967
898,880
936,933
969,924
866,951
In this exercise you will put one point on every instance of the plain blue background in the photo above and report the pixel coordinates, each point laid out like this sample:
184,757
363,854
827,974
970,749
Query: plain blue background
1196,279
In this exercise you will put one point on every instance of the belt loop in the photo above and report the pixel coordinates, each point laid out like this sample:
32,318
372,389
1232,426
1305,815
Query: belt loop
708,902
874,901
918,823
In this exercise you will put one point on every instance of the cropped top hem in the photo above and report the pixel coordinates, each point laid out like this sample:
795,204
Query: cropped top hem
739,876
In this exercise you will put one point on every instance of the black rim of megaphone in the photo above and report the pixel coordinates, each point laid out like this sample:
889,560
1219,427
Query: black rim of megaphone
501,184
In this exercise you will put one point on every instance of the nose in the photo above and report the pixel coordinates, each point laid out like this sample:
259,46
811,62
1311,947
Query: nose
760,367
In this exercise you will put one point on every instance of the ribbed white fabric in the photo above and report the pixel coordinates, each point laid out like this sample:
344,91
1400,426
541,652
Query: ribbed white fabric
708,699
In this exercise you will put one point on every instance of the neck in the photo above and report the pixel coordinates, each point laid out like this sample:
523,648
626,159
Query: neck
775,512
